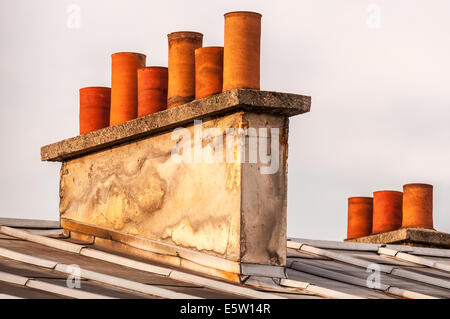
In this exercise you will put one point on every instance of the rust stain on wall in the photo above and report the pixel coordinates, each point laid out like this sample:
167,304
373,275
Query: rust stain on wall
205,235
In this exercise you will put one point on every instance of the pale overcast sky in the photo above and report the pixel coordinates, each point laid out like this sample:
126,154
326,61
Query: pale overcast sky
377,71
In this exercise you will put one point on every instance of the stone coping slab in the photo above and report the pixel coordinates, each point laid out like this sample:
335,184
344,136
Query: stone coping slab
408,236
284,104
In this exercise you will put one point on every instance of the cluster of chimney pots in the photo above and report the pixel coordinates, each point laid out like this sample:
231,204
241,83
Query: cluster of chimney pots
193,72
390,210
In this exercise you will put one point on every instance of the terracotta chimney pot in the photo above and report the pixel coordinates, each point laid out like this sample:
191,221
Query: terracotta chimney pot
208,71
387,211
94,108
241,62
182,47
124,85
152,89
418,206
359,217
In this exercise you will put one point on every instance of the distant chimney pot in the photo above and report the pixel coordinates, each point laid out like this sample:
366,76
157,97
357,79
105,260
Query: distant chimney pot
418,206
387,211
359,217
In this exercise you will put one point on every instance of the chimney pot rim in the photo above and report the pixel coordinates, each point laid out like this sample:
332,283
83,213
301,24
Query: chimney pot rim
387,191
242,12
360,198
122,52
184,34
210,47
94,87
425,185
153,67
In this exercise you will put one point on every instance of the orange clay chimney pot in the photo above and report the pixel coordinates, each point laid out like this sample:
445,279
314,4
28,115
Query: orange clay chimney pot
182,47
124,85
208,71
152,89
387,211
359,217
94,108
241,61
418,206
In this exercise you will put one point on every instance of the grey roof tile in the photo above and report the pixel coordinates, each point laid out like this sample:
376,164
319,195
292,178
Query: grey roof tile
332,270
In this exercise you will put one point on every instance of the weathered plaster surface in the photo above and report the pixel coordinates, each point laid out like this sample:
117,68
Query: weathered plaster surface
264,199
137,188
227,209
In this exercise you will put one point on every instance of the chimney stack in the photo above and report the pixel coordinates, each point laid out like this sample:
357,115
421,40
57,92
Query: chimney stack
398,218
225,217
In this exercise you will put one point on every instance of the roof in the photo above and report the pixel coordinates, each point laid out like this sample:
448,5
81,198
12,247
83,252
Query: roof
36,260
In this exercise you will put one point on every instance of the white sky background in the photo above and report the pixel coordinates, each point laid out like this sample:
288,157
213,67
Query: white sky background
380,113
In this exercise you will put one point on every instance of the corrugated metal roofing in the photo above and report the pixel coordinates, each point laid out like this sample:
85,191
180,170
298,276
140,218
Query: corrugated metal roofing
32,267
